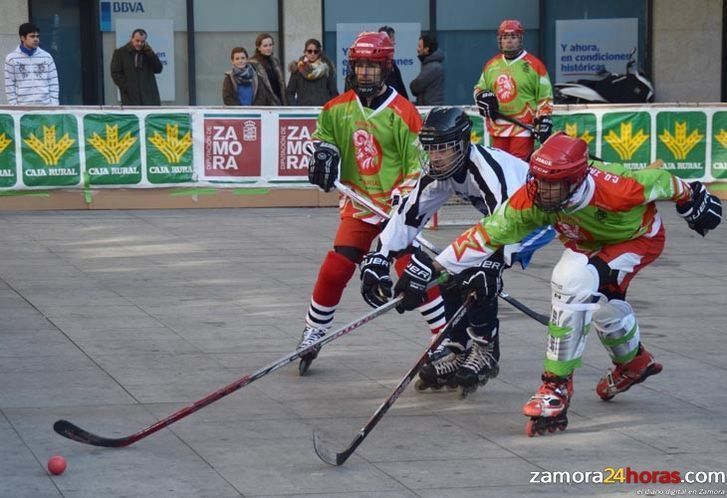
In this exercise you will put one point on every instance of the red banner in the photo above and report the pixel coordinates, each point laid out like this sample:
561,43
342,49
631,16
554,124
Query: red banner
232,147
293,134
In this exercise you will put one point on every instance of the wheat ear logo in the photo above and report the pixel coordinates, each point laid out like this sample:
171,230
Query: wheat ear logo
112,148
680,144
626,143
571,129
172,147
721,138
50,149
4,142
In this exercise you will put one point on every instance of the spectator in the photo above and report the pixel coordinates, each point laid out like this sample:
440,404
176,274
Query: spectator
241,85
133,67
515,84
312,78
428,86
269,72
394,80
30,72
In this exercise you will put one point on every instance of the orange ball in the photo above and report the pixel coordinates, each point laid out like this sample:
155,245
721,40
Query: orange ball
56,465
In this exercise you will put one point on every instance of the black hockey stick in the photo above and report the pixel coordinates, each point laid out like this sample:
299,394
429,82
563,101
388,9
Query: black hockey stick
333,458
72,431
539,317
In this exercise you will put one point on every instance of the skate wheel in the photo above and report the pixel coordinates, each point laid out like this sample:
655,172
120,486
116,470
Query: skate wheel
553,428
420,385
437,388
304,365
530,428
563,425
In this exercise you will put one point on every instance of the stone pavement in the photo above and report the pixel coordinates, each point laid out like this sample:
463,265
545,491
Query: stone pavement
115,319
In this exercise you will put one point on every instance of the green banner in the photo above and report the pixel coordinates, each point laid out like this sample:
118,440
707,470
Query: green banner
8,176
625,139
169,148
582,126
719,144
50,150
113,154
682,142
479,132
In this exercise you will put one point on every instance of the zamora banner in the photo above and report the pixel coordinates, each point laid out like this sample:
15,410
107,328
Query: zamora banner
79,148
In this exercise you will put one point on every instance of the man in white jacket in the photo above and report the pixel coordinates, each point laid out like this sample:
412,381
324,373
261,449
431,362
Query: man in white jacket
30,72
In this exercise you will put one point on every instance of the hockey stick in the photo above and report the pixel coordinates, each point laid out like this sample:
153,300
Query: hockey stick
531,129
334,458
72,431
369,205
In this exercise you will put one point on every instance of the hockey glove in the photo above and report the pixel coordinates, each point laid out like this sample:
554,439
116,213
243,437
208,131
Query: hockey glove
376,283
487,104
543,128
323,164
485,281
703,212
413,282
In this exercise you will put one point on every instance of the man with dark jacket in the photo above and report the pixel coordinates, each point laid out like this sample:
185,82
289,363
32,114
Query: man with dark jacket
394,79
428,87
133,67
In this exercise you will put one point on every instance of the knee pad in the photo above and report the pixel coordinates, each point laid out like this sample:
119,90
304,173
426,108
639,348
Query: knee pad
574,286
618,330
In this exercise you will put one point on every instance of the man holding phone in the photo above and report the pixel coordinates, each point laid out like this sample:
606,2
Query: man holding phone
133,67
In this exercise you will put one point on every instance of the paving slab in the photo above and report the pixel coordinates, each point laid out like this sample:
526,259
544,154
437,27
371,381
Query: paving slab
117,319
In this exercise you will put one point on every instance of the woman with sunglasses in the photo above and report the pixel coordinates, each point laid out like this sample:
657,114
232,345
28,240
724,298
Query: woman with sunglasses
312,78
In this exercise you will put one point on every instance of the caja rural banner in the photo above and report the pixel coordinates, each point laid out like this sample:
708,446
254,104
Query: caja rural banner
77,147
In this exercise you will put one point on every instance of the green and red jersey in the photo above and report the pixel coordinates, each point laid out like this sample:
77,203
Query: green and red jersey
523,92
379,148
613,205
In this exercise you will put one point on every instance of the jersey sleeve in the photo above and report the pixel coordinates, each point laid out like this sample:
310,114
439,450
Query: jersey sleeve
509,224
324,127
646,185
544,91
408,139
409,219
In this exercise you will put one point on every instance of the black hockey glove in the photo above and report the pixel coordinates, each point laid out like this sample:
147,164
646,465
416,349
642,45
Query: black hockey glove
484,280
487,104
413,282
323,164
543,128
376,283
703,212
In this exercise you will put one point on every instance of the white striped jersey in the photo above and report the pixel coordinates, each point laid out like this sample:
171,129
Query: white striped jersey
490,176
31,79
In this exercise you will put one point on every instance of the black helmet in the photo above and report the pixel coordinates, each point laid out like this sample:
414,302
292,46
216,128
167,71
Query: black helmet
445,139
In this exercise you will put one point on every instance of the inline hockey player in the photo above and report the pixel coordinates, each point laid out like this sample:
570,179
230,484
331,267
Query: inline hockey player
484,177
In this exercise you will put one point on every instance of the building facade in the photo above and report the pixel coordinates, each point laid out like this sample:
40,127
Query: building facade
681,49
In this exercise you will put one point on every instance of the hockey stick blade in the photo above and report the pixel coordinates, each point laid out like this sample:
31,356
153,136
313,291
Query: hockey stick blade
332,458
72,431
327,455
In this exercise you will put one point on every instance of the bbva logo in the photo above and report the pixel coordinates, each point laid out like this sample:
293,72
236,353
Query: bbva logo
127,7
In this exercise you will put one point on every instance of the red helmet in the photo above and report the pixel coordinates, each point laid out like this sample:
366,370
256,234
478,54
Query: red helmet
557,169
370,47
510,27
373,47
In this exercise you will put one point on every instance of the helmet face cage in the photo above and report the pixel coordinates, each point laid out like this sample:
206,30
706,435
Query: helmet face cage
442,160
373,74
553,195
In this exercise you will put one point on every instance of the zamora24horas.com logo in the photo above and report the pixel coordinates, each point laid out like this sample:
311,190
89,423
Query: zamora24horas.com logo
4,142
50,149
571,129
680,144
626,143
172,147
112,148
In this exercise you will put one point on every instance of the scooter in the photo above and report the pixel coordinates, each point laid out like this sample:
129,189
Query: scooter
628,88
